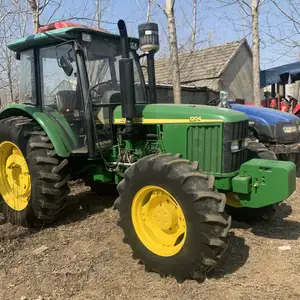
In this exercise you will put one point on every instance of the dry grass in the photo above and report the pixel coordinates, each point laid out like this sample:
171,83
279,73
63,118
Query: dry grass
86,259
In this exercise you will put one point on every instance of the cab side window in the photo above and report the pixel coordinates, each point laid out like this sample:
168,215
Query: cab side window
27,73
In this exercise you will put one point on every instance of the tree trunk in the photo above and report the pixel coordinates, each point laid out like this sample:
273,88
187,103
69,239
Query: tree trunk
148,11
194,25
98,13
34,6
255,53
173,51
10,81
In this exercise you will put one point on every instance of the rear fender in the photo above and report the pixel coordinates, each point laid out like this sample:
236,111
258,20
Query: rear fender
60,140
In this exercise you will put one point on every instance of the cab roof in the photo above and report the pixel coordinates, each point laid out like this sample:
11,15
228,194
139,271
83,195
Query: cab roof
59,31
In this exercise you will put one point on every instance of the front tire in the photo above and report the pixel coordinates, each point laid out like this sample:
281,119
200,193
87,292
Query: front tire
172,217
33,179
247,214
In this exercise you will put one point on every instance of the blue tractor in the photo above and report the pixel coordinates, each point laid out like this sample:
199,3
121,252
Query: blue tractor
272,135
278,131
273,131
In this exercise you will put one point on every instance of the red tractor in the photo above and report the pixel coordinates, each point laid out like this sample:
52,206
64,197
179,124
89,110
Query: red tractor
285,105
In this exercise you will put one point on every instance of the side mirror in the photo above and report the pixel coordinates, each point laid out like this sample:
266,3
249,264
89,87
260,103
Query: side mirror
66,65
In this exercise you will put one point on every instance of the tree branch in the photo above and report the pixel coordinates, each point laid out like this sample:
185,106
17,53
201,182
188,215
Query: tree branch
159,6
287,15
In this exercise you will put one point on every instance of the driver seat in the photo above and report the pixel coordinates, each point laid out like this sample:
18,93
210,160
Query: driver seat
109,97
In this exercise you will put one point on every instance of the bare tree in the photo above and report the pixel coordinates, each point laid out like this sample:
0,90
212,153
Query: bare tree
37,8
169,12
255,52
287,36
280,30
34,6
253,11
148,11
101,7
98,13
13,23
194,28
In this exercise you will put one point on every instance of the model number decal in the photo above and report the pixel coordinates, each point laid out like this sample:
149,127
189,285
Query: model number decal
195,119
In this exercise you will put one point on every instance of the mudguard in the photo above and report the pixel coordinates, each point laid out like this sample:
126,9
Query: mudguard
57,128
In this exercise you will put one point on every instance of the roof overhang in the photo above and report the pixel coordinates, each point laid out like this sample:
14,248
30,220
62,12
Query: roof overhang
58,35
283,75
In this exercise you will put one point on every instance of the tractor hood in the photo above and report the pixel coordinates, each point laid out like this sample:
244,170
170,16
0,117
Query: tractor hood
271,125
267,116
180,113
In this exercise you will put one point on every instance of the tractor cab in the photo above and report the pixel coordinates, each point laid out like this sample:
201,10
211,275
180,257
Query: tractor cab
71,72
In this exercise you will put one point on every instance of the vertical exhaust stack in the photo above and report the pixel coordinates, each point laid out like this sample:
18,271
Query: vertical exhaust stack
149,43
126,81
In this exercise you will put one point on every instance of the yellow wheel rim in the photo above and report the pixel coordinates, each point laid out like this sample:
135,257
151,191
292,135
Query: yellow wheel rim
15,183
158,221
233,200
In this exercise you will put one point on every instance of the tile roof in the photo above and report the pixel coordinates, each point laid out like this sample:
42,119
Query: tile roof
199,68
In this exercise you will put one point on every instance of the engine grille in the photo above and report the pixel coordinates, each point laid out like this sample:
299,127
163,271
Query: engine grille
232,161
204,146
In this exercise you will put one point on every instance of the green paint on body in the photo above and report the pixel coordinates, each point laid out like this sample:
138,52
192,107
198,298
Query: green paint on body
264,182
62,137
184,111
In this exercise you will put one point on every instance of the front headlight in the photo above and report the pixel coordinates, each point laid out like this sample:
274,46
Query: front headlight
290,129
234,146
244,143
238,145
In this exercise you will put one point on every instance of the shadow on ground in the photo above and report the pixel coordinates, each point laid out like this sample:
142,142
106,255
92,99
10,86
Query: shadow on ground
276,228
83,205
79,207
233,259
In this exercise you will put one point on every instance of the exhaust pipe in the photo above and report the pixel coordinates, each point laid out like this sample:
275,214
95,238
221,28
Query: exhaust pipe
126,81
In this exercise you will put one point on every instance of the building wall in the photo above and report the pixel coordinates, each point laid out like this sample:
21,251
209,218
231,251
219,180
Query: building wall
189,96
293,90
237,80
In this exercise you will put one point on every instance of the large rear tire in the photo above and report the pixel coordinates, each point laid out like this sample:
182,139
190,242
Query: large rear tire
33,179
246,214
172,217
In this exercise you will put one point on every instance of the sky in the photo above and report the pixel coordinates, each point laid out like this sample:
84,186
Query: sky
216,24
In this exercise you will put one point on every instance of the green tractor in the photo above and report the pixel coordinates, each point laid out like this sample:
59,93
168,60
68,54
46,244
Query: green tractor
84,113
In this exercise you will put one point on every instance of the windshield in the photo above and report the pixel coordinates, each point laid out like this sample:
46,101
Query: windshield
102,61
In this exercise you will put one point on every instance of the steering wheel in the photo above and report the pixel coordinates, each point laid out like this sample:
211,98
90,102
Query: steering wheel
214,101
93,88
292,98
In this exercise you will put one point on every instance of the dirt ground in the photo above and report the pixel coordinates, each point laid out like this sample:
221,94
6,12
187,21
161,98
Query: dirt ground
82,257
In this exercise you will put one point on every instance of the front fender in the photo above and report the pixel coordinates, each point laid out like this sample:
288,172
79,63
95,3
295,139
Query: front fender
59,132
